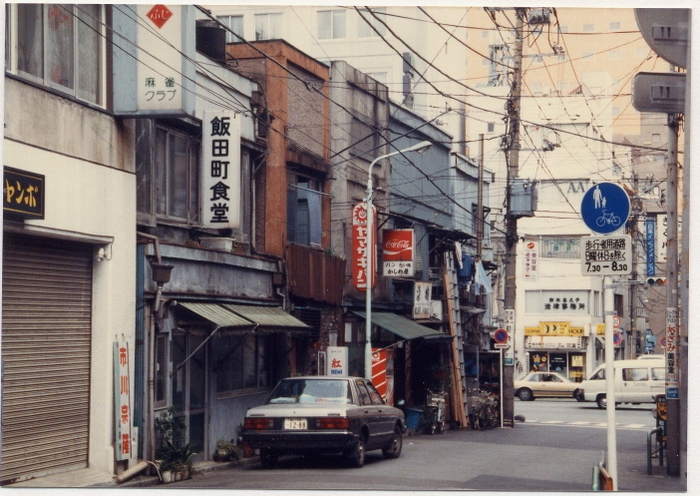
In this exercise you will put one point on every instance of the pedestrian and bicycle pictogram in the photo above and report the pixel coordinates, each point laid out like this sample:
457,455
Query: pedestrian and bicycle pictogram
605,208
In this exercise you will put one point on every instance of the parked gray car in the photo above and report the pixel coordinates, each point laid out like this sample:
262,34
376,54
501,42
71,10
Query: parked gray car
319,414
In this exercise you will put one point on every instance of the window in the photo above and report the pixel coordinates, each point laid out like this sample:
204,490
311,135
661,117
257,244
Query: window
635,374
167,174
615,26
331,24
304,211
176,176
268,27
588,28
369,19
561,247
61,46
242,362
235,24
658,374
161,370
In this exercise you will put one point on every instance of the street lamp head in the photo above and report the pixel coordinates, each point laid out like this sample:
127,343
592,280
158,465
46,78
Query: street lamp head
419,148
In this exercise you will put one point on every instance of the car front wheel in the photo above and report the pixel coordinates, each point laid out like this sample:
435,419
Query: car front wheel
393,449
356,454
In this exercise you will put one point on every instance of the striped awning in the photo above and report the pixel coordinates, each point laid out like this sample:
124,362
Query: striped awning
246,318
403,327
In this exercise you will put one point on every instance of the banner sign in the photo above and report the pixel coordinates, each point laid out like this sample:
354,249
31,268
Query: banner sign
221,170
672,357
23,194
531,257
360,249
123,449
398,252
650,236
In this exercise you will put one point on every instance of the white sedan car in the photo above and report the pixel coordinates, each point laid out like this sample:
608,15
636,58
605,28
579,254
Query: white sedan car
544,385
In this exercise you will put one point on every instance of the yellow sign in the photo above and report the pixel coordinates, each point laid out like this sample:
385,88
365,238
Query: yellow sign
600,329
554,328
532,331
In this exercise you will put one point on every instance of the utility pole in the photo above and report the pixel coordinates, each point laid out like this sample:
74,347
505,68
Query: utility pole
511,240
633,334
673,410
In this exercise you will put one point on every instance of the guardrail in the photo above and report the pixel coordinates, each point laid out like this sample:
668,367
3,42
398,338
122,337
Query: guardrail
601,478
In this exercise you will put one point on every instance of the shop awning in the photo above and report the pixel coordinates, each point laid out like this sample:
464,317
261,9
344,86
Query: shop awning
268,318
246,318
217,314
403,327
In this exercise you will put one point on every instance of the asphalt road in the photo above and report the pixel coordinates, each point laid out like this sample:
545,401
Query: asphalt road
555,449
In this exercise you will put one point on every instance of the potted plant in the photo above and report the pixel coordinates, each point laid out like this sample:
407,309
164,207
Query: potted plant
173,456
226,451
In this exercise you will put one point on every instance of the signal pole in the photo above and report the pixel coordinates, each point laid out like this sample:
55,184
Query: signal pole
511,240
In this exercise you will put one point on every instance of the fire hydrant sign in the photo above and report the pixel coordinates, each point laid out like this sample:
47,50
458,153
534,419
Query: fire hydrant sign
606,255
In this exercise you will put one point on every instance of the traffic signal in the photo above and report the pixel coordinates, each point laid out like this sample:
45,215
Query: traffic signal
656,281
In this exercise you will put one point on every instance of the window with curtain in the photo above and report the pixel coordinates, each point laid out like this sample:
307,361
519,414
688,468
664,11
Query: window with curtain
268,27
61,46
235,24
369,25
331,24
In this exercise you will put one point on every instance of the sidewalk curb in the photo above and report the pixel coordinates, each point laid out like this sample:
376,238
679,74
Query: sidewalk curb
153,480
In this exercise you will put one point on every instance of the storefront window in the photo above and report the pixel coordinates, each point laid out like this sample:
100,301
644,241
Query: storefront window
242,362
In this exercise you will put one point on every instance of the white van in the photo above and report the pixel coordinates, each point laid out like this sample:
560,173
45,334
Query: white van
636,381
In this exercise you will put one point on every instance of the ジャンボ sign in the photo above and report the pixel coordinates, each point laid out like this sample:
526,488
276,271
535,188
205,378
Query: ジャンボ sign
360,268
221,170
398,252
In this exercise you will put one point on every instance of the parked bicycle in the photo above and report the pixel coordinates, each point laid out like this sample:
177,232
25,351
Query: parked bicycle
484,410
436,410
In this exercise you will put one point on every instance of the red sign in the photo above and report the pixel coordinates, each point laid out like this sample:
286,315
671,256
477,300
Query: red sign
360,248
398,252
159,15
379,379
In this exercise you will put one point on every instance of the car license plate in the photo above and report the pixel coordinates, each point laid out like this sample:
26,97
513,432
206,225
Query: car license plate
295,423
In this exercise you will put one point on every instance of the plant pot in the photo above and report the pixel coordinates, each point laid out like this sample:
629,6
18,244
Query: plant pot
167,476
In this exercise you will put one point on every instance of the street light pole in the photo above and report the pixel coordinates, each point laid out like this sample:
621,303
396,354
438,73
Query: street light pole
419,148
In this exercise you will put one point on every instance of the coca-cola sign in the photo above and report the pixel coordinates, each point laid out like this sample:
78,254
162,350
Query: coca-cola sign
398,252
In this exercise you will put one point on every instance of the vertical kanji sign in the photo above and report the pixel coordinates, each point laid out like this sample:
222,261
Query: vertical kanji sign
360,248
123,448
221,170
159,72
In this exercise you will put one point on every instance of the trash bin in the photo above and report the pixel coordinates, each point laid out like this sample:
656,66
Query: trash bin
413,418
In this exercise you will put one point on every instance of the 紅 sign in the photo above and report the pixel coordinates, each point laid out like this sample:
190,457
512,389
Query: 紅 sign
609,255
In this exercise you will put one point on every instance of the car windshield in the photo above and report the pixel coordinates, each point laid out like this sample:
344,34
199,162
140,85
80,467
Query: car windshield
311,391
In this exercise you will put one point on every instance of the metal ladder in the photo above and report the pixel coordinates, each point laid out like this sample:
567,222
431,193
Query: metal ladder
459,384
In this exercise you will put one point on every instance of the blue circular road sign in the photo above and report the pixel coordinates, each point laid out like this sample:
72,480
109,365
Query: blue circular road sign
605,208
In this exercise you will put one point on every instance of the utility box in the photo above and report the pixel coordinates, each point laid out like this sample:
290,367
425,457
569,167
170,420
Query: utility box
523,198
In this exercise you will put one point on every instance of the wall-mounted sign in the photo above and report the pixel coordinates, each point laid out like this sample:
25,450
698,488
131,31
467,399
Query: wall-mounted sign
398,252
122,404
422,295
23,194
221,170
337,360
361,270
531,259
650,237
609,255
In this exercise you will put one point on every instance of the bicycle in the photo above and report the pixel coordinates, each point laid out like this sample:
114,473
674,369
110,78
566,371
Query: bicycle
436,407
608,218
484,410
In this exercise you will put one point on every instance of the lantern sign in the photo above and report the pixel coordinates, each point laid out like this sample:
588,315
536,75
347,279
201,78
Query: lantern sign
337,363
361,270
398,252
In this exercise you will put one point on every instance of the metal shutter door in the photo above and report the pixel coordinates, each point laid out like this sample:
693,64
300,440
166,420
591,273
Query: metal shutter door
46,326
